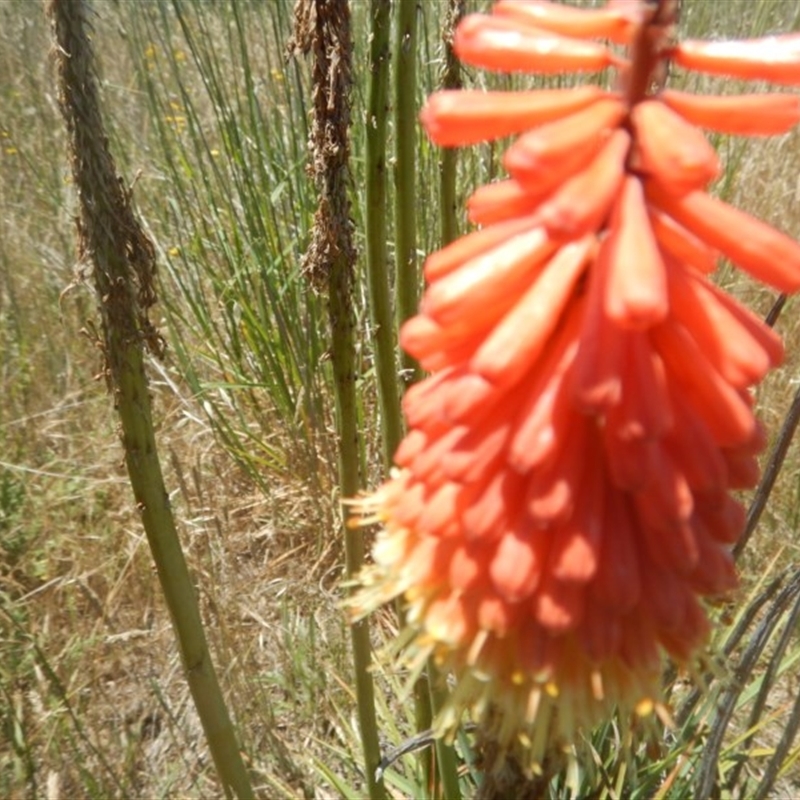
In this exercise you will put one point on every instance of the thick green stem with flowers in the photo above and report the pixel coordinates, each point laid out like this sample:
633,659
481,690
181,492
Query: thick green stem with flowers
123,261
378,274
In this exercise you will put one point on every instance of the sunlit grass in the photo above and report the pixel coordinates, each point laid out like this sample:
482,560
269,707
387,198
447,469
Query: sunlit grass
209,115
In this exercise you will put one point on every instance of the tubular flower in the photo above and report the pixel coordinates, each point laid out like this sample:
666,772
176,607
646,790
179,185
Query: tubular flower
561,503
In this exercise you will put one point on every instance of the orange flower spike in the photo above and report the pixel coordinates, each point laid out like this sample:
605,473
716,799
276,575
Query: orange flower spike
591,413
575,549
504,45
693,449
555,151
427,340
771,58
547,412
740,352
644,410
683,246
671,151
723,518
584,201
727,416
636,287
513,347
553,489
767,254
743,469
617,585
581,23
500,202
519,561
494,277
629,459
595,379
766,337
559,606
667,501
738,114
479,451
457,253
460,117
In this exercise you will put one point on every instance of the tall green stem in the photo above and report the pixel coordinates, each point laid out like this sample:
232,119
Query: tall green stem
405,168
329,261
448,161
378,276
446,758
123,259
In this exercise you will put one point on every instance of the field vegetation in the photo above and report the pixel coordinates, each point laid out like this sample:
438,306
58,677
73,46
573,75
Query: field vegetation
209,122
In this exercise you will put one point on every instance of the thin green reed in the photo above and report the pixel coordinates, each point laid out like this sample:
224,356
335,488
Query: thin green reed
236,201
323,31
379,277
405,207
448,162
123,257
405,169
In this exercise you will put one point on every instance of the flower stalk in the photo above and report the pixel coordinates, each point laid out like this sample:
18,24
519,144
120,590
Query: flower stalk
378,274
448,158
323,30
123,261
563,501
405,169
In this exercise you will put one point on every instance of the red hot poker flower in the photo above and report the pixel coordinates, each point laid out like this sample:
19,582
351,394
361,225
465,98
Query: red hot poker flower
562,502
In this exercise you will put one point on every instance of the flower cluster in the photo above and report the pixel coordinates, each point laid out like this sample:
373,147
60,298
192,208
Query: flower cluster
562,499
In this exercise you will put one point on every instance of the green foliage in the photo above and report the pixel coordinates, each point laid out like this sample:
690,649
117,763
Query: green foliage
213,116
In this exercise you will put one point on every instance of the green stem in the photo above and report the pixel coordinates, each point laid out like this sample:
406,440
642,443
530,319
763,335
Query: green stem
446,758
448,161
408,278
378,277
124,268
343,356
405,184
331,255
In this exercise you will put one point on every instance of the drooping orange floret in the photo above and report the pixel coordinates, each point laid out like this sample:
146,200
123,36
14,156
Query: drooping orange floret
669,150
766,253
504,200
771,58
744,114
561,503
506,45
596,23
635,292
456,117
547,155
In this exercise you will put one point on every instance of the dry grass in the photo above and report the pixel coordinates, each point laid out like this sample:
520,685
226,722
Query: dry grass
92,699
